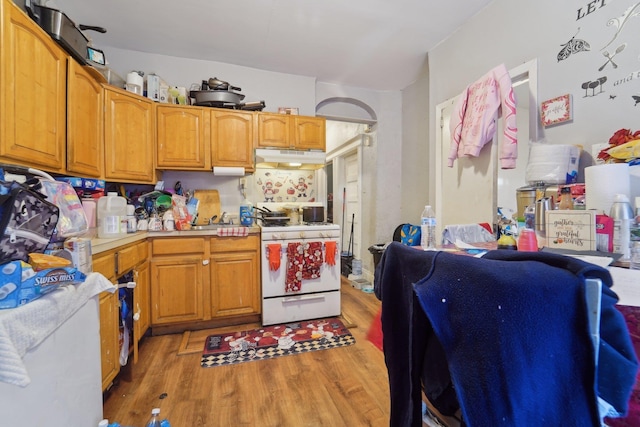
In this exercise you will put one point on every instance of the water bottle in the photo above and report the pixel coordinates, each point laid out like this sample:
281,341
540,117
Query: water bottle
622,215
428,229
155,418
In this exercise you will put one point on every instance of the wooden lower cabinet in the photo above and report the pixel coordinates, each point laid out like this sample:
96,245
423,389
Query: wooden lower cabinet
196,280
133,258
234,273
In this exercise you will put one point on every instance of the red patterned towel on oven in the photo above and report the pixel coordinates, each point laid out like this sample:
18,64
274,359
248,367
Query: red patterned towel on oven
312,260
303,262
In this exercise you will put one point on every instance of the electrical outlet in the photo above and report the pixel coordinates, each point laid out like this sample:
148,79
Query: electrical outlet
243,183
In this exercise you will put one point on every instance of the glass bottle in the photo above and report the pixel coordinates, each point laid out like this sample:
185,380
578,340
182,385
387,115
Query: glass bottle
566,201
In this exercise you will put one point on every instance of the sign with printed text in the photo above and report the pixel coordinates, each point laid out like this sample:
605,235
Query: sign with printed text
571,229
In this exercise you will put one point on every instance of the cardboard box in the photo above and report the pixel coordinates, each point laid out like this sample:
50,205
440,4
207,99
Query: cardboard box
20,284
571,229
153,87
79,250
604,233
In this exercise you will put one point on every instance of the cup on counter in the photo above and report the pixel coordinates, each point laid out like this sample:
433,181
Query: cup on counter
527,240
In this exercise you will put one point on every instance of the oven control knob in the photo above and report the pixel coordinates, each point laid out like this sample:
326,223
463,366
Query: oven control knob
302,234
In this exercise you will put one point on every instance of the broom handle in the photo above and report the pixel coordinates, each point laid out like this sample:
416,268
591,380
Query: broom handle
344,203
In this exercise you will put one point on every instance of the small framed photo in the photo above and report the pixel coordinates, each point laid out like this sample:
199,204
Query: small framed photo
288,110
557,110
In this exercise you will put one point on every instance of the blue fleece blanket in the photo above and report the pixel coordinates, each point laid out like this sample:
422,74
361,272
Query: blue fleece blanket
515,333
511,328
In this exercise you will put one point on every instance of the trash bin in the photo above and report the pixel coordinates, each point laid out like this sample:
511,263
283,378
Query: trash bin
376,251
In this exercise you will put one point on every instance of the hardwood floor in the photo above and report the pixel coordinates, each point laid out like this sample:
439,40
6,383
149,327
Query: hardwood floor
345,386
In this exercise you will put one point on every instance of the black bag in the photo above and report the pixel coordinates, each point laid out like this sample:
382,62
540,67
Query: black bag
27,221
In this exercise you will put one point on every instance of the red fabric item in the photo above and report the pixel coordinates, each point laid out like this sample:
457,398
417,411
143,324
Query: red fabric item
331,249
312,261
303,262
274,256
486,226
375,331
293,282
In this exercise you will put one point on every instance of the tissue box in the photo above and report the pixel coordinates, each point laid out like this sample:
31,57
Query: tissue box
20,284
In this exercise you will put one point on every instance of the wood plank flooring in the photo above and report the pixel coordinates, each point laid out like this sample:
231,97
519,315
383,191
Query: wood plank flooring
345,386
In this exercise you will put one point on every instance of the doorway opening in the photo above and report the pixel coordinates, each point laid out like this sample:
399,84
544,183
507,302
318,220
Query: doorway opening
350,130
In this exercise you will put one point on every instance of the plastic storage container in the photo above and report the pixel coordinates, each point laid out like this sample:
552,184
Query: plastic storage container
112,216
623,218
246,213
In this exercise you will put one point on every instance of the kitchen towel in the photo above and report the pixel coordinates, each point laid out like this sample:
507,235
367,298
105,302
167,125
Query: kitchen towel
331,249
293,281
233,231
603,182
303,263
228,171
312,260
274,256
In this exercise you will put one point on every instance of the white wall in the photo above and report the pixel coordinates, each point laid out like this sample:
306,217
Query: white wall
382,189
515,31
276,89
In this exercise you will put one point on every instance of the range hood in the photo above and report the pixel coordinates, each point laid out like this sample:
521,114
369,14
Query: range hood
289,159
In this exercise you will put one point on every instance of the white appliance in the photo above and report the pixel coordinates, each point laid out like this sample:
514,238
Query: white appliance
318,297
290,159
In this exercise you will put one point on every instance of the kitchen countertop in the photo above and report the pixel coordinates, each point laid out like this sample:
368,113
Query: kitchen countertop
102,245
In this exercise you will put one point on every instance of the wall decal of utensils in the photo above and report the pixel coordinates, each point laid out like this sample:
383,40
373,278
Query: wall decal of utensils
611,56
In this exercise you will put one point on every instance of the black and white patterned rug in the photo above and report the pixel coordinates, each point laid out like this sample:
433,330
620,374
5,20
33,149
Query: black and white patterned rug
274,341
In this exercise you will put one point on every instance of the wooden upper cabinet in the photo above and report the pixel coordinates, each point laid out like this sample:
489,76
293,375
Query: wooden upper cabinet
309,133
129,134
273,130
232,138
32,94
85,137
183,137
291,132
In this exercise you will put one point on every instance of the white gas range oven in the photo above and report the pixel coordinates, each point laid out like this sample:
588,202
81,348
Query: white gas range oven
300,272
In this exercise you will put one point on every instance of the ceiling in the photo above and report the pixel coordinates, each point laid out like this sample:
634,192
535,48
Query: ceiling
373,44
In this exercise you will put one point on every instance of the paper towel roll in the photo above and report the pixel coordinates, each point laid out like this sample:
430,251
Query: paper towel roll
603,182
228,171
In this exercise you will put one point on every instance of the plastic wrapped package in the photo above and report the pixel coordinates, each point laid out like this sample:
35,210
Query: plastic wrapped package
552,163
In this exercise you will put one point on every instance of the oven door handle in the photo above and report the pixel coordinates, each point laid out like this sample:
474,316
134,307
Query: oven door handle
302,298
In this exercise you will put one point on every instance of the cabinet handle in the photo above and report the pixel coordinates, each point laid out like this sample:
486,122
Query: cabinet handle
303,298
136,315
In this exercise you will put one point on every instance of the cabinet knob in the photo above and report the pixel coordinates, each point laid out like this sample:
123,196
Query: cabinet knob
205,262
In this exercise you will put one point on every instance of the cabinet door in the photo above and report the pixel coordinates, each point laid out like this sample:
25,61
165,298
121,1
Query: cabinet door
234,288
128,137
274,130
235,276
109,336
176,290
309,133
84,123
141,295
33,94
232,138
183,137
